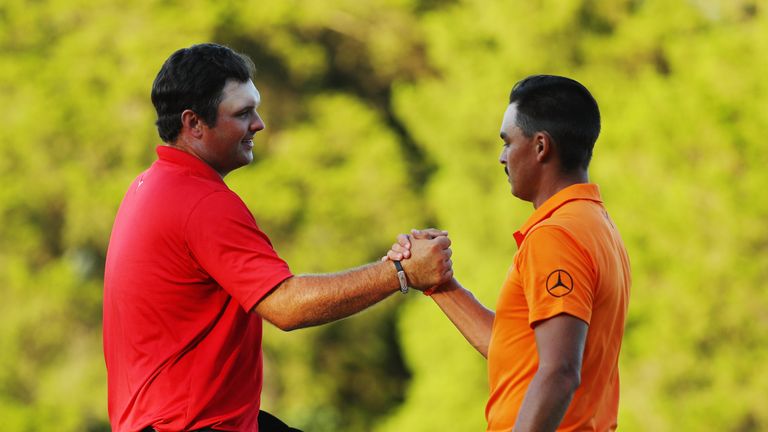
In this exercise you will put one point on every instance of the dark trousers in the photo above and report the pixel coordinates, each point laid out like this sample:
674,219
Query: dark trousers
270,423
267,423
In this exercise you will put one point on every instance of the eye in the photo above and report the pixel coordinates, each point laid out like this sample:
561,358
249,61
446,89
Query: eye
246,112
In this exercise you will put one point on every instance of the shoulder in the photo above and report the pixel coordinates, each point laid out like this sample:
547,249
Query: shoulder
550,241
220,203
579,215
575,222
550,234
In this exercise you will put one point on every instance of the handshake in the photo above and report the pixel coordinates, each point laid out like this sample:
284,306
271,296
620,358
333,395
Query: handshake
425,256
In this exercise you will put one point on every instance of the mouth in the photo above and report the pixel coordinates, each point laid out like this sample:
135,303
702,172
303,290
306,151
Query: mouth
247,143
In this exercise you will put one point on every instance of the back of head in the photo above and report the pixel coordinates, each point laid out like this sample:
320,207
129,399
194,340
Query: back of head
193,78
565,110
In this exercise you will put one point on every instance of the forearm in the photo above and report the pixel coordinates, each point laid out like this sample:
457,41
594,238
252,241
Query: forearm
309,300
470,317
546,401
560,342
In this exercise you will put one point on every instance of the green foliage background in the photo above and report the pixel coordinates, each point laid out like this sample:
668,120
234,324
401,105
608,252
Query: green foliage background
382,116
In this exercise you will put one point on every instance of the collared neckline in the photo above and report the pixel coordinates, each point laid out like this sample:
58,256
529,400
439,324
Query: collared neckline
579,191
180,157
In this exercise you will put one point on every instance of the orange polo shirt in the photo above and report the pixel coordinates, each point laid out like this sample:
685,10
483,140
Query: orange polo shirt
571,259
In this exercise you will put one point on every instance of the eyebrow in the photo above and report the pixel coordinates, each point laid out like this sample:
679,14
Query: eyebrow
249,107
249,103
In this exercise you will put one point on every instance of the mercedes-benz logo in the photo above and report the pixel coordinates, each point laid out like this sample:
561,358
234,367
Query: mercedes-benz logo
559,283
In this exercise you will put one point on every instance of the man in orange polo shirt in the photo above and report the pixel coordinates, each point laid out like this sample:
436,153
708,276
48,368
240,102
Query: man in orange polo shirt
553,343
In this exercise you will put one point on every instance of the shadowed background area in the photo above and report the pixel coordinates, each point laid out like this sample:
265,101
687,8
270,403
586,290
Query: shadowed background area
384,116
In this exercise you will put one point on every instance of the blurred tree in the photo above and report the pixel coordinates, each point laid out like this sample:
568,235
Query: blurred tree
331,184
682,113
382,116
75,77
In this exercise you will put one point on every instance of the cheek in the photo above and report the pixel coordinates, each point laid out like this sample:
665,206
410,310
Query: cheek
510,158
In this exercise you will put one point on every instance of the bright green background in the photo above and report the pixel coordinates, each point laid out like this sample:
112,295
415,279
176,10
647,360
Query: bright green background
383,115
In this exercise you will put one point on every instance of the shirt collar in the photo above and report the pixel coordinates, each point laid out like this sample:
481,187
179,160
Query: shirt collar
179,157
579,191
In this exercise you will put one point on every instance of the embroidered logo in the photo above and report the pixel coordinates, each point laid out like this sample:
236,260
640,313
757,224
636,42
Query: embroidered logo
559,283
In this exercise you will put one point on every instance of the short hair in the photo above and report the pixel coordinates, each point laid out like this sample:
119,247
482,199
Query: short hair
193,78
564,109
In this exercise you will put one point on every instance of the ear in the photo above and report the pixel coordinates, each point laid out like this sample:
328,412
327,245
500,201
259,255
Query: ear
192,123
543,145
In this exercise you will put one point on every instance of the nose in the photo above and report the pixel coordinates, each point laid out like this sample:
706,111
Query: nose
257,124
503,156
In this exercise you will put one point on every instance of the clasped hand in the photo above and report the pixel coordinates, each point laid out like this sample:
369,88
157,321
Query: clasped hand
425,256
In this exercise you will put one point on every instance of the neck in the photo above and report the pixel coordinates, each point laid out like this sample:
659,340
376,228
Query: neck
553,185
190,147
182,144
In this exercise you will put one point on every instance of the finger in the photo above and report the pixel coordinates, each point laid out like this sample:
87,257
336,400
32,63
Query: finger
430,233
397,248
395,256
399,251
443,242
406,252
404,240
384,258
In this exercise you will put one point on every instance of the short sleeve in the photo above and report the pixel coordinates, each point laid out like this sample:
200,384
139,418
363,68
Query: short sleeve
226,242
557,275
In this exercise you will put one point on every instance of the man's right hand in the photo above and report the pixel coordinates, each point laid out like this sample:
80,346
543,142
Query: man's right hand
402,248
429,254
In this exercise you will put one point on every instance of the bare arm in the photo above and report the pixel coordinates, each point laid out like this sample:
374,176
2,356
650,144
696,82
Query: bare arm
470,317
309,300
560,343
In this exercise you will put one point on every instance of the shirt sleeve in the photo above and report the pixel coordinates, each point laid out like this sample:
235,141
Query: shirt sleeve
226,242
558,275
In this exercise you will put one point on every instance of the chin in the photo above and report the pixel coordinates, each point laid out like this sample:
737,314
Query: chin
247,158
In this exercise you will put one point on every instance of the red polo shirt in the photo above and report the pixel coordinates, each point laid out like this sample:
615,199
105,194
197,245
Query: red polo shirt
185,266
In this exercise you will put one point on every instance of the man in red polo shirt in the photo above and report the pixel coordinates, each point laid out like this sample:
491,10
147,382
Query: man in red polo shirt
189,274
553,342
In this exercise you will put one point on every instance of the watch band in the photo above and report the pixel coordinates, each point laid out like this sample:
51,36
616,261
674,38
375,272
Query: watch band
401,277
